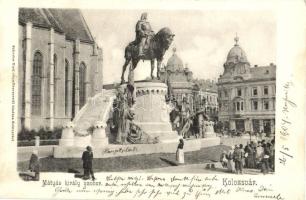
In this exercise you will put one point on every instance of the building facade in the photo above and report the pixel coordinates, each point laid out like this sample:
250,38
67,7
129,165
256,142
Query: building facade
179,79
200,94
206,97
246,94
59,66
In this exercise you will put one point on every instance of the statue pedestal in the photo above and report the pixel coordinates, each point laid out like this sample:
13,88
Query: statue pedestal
67,138
152,112
99,138
82,141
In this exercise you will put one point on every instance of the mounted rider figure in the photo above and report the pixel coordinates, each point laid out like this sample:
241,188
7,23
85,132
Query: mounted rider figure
143,31
146,46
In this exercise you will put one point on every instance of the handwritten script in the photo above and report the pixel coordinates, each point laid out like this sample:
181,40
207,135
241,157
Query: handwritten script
163,187
285,127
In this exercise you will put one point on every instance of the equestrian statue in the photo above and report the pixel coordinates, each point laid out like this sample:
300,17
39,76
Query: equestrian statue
147,46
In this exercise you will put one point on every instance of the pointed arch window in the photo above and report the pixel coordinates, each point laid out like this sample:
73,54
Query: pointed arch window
36,84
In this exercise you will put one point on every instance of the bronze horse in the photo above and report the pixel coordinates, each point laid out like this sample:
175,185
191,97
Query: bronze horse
157,46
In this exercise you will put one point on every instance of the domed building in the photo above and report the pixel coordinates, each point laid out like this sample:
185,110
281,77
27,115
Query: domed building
246,94
174,62
237,64
178,79
236,55
200,94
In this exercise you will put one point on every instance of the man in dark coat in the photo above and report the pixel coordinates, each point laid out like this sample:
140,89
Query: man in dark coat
238,158
34,165
87,158
272,155
265,160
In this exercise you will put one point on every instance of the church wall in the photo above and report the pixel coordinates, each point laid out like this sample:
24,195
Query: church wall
92,74
86,56
100,71
63,50
68,51
86,52
59,100
40,40
20,78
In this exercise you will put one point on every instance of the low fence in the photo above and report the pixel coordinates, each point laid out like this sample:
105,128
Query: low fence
24,153
37,142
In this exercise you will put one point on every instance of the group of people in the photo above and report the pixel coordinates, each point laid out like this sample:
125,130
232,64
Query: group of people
121,121
253,155
87,158
237,133
185,122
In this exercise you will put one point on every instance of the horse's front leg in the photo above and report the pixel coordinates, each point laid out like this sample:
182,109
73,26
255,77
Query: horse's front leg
158,68
131,70
152,68
123,70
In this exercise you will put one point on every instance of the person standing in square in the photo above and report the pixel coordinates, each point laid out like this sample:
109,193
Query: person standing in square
238,159
34,165
87,158
230,160
180,152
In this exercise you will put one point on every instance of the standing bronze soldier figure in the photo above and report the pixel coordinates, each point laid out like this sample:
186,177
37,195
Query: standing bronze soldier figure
126,115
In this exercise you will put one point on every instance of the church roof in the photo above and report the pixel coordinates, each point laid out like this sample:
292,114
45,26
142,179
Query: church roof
68,21
174,62
236,54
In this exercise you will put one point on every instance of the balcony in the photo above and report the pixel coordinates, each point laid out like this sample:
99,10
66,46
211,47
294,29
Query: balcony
238,112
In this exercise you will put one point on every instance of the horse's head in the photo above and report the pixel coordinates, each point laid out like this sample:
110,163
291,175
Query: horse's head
165,37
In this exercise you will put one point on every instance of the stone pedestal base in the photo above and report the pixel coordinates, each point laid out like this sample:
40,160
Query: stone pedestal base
82,141
152,112
210,135
99,138
99,142
66,142
166,137
67,138
135,149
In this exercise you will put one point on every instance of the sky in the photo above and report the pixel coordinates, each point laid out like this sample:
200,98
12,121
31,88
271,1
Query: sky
202,38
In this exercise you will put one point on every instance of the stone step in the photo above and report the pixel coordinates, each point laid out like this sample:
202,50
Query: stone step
91,115
95,109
